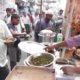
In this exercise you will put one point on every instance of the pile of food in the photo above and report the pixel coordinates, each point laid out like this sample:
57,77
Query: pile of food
76,54
9,40
42,60
47,33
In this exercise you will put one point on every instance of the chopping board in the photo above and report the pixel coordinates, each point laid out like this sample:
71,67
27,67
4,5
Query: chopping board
30,73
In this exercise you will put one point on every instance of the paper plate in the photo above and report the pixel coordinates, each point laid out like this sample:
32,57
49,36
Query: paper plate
31,47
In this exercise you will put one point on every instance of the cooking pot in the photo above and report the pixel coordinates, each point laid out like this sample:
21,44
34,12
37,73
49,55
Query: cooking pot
28,60
46,36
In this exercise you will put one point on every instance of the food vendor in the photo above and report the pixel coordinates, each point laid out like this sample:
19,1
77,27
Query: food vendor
71,42
45,23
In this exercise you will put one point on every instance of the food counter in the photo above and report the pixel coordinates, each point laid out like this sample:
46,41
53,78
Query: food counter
37,73
59,75
31,73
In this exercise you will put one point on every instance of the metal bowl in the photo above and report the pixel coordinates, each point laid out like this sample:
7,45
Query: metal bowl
28,60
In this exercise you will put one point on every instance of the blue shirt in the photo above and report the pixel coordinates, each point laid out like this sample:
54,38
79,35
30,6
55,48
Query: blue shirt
13,28
73,41
43,25
10,26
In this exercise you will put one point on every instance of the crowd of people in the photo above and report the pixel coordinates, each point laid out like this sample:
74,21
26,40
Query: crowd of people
12,27
18,26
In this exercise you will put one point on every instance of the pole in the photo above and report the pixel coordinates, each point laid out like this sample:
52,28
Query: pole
40,13
68,25
41,7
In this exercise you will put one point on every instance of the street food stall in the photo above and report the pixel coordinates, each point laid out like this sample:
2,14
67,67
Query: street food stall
43,65
40,64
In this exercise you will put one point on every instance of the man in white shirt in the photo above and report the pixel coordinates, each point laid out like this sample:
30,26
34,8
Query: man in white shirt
7,17
4,34
27,22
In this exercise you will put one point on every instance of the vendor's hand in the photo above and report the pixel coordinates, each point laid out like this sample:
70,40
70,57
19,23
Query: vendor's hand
49,49
69,70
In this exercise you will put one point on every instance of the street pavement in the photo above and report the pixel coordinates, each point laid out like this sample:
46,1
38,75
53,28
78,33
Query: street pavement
23,54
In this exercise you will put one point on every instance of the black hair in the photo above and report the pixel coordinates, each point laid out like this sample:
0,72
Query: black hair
14,16
8,9
61,10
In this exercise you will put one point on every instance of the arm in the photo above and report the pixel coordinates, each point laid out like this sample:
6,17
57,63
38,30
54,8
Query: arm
61,44
71,42
71,70
77,70
15,33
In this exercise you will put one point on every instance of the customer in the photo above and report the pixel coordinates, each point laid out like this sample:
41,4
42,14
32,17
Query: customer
4,34
45,23
7,17
60,14
71,42
15,53
26,20
38,16
60,18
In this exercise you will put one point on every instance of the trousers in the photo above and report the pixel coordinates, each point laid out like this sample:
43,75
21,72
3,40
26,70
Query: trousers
4,71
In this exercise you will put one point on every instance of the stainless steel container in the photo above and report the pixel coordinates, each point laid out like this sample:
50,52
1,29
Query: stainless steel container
46,36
